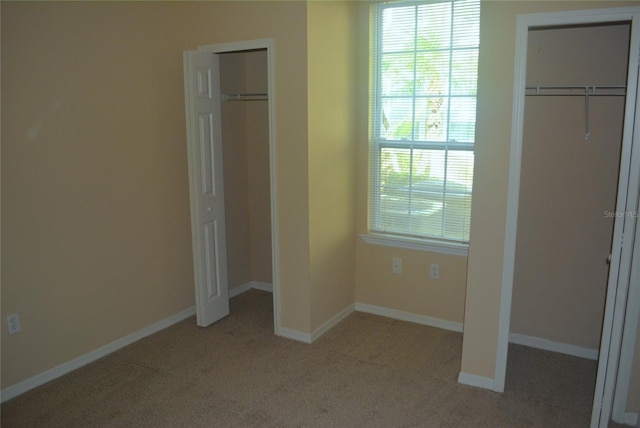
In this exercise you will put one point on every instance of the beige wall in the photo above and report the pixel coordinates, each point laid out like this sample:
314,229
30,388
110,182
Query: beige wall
95,211
332,36
495,93
413,291
96,237
567,184
245,139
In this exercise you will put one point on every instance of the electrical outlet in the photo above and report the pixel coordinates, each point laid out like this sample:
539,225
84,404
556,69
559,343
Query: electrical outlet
13,323
396,265
435,271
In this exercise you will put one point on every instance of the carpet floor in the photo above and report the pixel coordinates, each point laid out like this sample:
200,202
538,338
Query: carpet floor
368,371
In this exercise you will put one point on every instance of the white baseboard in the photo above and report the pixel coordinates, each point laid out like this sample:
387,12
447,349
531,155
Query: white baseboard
49,375
631,419
233,292
294,334
519,339
264,286
407,316
310,338
627,418
478,381
550,345
332,322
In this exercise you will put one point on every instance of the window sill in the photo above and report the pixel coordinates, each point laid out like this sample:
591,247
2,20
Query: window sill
450,248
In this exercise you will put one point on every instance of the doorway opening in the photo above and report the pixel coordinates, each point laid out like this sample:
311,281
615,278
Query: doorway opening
230,117
555,190
245,150
571,145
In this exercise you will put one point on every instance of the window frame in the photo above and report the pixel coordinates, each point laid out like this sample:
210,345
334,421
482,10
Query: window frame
443,245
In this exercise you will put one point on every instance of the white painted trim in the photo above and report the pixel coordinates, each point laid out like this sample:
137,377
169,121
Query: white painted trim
407,316
54,373
550,345
295,335
273,183
627,348
513,194
622,252
332,322
263,286
478,381
243,45
375,310
236,291
628,186
519,339
310,338
450,248
269,45
631,419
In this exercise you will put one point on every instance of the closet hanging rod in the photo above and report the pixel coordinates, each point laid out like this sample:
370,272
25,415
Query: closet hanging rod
573,91
577,91
245,97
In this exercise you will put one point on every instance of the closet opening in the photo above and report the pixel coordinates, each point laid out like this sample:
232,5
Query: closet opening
573,175
571,145
232,175
246,167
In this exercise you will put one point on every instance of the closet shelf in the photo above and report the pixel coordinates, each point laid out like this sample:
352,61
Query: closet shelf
245,97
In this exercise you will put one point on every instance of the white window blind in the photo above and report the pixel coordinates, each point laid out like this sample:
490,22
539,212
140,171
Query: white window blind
424,113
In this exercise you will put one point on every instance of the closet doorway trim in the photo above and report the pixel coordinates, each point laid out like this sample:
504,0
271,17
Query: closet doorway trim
267,44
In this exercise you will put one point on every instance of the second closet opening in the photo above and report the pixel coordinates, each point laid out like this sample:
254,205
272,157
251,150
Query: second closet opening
246,167
571,149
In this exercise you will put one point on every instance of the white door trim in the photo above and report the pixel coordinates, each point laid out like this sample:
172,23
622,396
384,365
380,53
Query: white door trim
628,184
267,44
618,293
619,413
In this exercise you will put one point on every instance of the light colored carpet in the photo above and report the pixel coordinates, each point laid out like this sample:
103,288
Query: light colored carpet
368,371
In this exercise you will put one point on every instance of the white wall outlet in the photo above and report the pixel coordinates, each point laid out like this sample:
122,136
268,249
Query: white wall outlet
396,265
13,322
435,271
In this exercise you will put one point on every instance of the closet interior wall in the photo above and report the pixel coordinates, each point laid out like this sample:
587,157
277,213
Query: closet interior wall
245,149
568,184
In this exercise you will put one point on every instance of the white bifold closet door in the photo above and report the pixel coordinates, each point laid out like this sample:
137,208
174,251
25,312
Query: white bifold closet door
204,141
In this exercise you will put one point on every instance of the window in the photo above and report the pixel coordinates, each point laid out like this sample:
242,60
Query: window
424,113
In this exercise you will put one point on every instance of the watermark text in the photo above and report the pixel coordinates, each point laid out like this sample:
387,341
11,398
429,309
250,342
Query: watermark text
616,214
